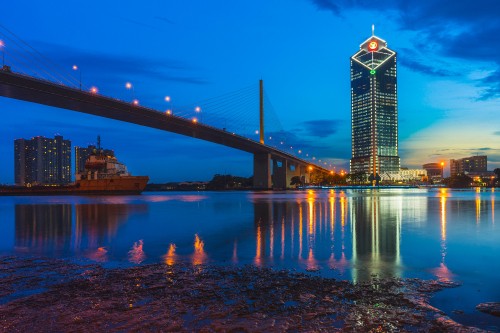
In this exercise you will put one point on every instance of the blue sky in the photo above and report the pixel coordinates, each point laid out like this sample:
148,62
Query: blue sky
448,74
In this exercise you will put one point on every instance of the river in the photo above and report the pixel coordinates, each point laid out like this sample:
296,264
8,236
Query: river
347,234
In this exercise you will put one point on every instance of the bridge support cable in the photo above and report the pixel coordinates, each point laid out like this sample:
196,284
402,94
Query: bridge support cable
24,58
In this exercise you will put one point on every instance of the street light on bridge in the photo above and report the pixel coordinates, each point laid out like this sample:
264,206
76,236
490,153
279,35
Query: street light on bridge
168,100
93,90
2,46
198,110
130,87
77,69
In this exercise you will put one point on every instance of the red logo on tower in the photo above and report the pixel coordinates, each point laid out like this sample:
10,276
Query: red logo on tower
373,46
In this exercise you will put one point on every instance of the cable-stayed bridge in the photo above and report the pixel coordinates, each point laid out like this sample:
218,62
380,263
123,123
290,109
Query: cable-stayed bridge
274,166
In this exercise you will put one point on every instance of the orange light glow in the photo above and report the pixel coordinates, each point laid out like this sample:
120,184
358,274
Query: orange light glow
170,256
169,112
194,120
258,246
136,254
128,85
93,90
199,255
136,102
167,98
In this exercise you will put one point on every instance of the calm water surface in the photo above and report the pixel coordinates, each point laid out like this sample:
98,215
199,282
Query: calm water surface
347,234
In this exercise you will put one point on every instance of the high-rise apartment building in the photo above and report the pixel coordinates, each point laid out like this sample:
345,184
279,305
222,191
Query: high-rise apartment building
469,164
42,161
374,109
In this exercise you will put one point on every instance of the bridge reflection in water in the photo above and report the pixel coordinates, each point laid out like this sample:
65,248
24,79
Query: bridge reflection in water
352,234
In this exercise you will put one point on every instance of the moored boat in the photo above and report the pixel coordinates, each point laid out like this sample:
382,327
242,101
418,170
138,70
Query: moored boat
103,175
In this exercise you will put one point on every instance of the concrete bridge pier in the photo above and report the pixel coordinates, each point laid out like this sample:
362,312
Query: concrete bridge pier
279,174
262,171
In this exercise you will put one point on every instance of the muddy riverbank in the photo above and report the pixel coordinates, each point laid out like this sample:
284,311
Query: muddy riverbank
50,295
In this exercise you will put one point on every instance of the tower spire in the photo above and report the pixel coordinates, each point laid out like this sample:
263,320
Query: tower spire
373,29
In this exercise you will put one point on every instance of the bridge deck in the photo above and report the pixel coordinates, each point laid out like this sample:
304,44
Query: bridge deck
27,88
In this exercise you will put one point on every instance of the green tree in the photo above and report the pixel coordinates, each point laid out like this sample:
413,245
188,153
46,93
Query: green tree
296,181
458,181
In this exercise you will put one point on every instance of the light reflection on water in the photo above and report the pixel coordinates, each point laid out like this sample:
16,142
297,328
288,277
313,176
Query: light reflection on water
444,234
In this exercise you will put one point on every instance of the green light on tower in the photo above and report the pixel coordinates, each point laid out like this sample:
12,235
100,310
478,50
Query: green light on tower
373,72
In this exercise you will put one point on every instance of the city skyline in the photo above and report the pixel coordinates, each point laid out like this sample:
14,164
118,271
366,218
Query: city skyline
197,51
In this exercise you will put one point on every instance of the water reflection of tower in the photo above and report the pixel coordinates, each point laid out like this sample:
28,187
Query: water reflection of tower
43,228
376,232
298,229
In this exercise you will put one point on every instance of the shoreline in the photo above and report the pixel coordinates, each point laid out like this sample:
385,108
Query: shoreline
58,295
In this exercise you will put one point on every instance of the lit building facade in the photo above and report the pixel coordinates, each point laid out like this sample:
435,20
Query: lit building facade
374,109
467,165
434,170
42,161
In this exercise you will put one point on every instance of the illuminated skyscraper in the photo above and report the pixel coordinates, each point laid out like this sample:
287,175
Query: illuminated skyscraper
374,109
42,161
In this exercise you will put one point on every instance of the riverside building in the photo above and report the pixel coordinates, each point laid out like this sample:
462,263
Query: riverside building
42,161
374,109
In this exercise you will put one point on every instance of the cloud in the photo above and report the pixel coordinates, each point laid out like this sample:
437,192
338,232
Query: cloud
327,5
320,128
419,66
164,19
496,133
466,30
109,68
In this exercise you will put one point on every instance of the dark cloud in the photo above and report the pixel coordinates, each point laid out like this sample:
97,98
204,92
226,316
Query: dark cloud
164,19
328,5
320,128
460,29
407,61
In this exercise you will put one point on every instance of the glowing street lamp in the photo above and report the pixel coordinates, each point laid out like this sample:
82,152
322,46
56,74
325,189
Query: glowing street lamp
75,68
93,90
130,87
198,110
169,100
2,46
135,102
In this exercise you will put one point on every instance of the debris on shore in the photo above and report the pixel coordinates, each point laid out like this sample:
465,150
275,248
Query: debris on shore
49,295
492,308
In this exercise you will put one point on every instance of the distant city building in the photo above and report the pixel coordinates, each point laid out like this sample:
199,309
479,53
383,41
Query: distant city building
42,161
434,170
467,165
374,109
81,155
